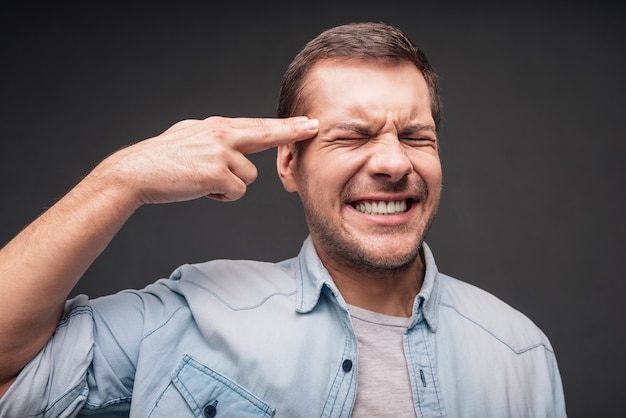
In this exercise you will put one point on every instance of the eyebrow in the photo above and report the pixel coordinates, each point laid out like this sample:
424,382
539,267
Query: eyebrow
365,130
358,128
416,128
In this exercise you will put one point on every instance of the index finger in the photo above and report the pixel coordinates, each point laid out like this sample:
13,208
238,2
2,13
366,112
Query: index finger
261,134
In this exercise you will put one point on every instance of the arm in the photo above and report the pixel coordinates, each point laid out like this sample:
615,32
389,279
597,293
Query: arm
41,265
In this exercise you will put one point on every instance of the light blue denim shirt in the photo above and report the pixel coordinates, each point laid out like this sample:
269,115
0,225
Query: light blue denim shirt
245,338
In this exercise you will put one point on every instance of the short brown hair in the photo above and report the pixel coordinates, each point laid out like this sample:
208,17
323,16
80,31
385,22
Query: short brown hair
367,41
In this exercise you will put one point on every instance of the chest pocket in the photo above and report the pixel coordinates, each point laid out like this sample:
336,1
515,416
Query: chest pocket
197,391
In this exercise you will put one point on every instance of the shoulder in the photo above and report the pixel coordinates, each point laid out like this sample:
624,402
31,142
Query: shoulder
237,283
235,272
490,315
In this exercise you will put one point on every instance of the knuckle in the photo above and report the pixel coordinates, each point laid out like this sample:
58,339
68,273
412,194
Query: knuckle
218,120
218,133
236,191
181,124
250,174
265,131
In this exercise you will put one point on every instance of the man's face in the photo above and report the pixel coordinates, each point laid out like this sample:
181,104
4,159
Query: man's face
370,181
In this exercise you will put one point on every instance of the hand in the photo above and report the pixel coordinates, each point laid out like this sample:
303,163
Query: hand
196,158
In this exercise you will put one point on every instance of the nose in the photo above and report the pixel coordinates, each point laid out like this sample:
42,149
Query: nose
389,158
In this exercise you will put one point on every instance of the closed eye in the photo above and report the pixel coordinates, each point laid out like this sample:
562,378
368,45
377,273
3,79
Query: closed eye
350,139
419,141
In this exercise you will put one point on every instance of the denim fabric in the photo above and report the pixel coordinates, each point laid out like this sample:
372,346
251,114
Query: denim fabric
246,338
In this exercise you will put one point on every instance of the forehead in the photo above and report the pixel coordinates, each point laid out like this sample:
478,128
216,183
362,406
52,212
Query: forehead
364,89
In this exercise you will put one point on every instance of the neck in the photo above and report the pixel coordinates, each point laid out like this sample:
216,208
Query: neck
389,292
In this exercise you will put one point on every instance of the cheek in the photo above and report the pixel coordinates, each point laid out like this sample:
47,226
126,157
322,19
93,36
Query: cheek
332,168
429,168
434,176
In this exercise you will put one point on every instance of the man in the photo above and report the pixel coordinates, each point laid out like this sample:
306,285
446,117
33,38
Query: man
360,323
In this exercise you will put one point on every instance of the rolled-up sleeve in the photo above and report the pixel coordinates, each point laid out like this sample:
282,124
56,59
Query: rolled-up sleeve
87,365
54,382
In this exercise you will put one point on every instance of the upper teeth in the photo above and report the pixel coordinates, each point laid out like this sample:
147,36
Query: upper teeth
382,207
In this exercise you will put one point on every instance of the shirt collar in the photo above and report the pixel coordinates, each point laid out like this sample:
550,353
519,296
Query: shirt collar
312,279
427,300
311,276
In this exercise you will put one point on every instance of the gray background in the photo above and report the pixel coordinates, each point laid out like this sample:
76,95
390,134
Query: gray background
532,145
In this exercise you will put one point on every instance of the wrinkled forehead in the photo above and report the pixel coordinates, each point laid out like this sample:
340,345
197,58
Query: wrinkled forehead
364,88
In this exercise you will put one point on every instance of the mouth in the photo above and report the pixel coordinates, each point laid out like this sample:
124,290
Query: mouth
383,207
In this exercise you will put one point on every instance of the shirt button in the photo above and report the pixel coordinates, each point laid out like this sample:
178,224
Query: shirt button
210,410
346,365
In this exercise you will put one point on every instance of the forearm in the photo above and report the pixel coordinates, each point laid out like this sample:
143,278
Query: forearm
192,159
41,265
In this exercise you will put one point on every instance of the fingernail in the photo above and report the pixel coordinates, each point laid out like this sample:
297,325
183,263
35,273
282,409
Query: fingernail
310,125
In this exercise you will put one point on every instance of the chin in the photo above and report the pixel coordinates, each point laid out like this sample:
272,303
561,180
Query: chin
387,263
375,250
382,260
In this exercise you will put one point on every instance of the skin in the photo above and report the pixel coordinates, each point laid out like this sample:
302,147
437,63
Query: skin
192,159
377,142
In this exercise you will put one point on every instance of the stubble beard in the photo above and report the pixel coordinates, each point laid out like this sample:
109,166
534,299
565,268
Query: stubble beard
352,254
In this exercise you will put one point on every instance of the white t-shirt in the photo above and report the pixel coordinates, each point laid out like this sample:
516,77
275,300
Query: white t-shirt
384,388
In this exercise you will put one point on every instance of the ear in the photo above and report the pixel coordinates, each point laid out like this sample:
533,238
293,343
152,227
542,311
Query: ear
285,164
